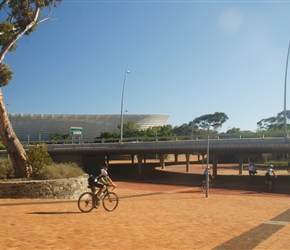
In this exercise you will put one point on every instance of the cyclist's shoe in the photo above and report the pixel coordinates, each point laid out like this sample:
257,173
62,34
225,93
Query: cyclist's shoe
97,203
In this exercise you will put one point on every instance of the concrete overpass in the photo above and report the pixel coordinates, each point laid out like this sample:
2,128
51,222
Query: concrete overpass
88,153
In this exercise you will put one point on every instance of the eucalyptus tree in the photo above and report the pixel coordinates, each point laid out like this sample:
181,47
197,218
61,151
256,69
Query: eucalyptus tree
274,123
207,120
18,18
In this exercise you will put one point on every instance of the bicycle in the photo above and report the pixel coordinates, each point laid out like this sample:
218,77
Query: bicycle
203,184
253,175
269,184
88,200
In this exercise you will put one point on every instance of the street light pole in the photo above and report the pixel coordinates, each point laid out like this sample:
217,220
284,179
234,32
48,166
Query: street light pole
207,167
285,115
122,105
216,125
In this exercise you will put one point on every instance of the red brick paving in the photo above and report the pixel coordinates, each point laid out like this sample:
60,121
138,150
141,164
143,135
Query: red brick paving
149,216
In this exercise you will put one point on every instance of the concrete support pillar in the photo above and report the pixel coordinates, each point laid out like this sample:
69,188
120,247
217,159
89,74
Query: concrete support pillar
187,157
132,158
140,158
176,158
161,158
240,165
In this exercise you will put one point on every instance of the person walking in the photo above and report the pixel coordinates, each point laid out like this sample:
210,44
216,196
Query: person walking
269,177
252,171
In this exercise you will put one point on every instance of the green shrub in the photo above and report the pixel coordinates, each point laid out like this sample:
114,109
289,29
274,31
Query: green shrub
277,163
2,147
45,168
39,158
61,171
6,168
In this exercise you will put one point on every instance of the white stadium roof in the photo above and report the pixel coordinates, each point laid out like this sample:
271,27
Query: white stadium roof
36,127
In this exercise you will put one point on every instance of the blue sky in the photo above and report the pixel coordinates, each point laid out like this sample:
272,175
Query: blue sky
186,59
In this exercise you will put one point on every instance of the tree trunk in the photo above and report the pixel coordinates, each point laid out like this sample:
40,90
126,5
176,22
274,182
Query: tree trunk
14,148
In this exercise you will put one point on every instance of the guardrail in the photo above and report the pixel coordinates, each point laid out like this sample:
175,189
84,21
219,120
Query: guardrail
197,137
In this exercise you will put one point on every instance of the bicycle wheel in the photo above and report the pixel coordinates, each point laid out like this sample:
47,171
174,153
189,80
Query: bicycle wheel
86,202
267,187
110,201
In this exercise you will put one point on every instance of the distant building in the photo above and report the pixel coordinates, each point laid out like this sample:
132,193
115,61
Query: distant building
39,127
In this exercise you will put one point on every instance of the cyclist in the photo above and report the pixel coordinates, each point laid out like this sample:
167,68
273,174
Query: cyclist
102,180
268,176
209,175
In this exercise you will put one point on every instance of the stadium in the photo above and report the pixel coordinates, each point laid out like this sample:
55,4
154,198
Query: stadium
39,127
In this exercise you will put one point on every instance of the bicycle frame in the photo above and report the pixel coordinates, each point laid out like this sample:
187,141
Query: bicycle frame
93,189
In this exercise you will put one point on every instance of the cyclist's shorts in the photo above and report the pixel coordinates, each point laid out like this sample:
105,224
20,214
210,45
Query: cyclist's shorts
268,177
98,184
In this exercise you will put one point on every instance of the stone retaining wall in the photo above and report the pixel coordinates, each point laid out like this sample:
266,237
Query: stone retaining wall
70,188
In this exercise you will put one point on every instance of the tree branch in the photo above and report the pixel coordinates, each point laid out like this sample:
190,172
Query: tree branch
20,33
4,2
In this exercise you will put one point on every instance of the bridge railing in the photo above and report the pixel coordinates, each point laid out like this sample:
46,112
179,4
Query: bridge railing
156,139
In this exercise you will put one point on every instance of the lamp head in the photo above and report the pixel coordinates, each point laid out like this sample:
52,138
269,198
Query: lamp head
216,125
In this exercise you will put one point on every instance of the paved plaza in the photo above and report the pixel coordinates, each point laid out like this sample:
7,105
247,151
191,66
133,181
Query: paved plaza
151,216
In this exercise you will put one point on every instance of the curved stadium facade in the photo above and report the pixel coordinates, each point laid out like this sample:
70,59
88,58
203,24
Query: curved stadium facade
39,127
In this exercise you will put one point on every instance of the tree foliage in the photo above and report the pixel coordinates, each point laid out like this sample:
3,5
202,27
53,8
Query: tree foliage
5,74
207,120
39,158
274,123
6,168
55,137
233,131
22,18
199,125
132,130
186,129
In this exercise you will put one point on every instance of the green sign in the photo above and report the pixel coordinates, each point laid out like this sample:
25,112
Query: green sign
76,130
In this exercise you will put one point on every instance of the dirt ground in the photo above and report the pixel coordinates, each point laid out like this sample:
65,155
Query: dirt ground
149,216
